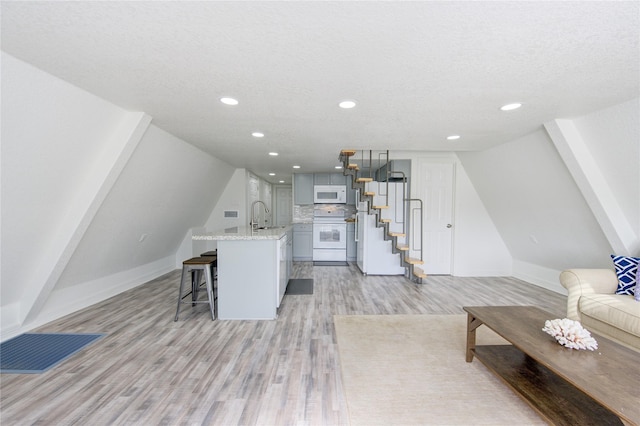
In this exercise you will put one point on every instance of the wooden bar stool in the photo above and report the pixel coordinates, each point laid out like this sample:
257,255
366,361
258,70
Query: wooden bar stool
198,266
196,276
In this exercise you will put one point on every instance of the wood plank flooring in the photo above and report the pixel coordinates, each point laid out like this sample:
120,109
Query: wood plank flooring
151,370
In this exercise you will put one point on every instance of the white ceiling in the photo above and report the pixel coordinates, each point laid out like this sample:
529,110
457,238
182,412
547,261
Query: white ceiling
419,71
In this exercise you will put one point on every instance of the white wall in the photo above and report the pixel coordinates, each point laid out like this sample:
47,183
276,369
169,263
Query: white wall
82,181
59,145
612,136
478,248
537,208
168,187
234,197
52,135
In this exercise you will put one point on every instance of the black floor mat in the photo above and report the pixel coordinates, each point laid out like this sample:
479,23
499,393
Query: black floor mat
330,263
299,286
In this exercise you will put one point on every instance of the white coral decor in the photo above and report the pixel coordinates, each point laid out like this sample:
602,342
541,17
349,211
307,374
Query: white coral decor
570,333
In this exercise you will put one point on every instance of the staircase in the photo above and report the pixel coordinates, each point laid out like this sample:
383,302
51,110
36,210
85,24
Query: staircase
361,179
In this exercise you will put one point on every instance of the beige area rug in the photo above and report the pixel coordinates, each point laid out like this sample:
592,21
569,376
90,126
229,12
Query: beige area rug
411,370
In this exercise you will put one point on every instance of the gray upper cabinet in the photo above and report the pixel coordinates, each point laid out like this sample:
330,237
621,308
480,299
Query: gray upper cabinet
303,185
303,188
321,179
329,179
338,179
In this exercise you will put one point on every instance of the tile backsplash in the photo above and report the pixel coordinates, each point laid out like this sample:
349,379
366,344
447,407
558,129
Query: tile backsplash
302,213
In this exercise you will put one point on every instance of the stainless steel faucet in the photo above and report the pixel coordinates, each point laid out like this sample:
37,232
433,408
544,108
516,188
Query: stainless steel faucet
254,221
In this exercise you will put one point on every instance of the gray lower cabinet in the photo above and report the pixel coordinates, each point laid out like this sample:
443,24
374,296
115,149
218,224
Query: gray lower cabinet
302,242
289,257
351,242
284,264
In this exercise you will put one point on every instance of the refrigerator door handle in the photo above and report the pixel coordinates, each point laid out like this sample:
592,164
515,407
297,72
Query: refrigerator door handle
356,229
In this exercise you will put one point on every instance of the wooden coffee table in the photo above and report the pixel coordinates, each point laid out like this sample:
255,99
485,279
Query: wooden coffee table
565,386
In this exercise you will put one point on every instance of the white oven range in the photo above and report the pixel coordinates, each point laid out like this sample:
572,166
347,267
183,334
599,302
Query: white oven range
329,235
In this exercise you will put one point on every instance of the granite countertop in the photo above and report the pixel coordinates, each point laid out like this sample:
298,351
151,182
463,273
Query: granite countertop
243,233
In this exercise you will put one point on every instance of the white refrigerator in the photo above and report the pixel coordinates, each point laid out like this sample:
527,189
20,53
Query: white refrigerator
374,253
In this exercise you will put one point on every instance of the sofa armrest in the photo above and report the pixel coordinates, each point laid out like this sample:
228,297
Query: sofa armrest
586,281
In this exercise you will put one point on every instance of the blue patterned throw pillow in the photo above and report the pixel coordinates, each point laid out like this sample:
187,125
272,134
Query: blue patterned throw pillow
627,272
638,285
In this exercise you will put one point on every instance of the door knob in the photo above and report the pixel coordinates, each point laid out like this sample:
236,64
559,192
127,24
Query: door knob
449,225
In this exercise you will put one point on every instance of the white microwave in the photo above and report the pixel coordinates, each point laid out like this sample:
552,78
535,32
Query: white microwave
330,194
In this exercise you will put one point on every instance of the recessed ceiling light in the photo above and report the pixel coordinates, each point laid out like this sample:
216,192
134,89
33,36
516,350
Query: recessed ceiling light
280,181
257,134
338,167
511,107
273,154
347,104
229,101
272,174
296,167
453,137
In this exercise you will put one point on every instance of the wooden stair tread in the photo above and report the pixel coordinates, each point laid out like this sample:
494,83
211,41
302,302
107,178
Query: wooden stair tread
358,183
202,260
419,273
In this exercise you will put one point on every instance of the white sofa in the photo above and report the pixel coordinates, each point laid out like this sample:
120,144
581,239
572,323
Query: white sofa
593,302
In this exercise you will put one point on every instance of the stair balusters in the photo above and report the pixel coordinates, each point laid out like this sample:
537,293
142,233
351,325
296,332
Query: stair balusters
359,182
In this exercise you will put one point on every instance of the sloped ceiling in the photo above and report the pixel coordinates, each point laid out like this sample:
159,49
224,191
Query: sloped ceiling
419,71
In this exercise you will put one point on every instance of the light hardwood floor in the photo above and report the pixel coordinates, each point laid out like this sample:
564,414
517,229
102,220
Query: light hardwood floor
151,370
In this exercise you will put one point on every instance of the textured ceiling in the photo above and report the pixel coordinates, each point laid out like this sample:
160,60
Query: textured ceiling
419,71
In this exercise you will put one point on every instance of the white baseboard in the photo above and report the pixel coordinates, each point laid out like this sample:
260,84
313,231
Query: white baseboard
538,275
65,301
9,321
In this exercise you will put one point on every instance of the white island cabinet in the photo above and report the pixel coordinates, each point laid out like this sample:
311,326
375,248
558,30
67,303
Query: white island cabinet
253,271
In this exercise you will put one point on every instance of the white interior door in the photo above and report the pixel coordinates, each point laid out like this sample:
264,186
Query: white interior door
435,188
284,205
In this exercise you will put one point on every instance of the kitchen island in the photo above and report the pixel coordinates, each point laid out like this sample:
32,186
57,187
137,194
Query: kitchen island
253,270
